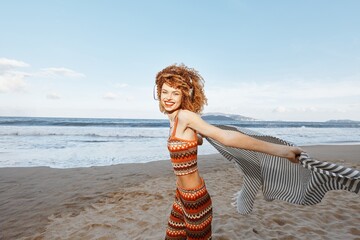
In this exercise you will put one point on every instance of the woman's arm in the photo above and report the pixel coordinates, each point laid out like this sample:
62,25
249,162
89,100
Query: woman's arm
239,140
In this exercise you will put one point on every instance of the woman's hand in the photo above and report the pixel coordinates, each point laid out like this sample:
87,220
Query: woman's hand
291,153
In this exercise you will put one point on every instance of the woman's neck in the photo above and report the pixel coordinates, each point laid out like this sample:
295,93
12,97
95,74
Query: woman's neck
173,115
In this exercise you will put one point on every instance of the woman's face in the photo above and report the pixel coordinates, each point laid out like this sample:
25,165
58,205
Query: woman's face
170,98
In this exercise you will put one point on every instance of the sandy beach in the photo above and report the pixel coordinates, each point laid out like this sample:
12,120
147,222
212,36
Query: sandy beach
133,201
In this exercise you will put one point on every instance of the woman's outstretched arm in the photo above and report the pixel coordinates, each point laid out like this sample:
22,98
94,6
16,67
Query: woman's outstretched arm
239,140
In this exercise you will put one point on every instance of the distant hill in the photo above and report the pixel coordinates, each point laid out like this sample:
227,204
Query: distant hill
342,121
226,117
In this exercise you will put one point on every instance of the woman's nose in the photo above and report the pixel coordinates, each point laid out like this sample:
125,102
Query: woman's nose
168,96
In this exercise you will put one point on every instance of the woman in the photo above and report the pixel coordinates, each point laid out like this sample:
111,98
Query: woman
179,90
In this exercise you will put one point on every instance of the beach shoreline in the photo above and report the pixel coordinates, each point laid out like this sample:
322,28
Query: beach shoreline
132,201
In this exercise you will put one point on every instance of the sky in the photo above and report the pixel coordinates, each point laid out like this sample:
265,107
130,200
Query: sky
269,60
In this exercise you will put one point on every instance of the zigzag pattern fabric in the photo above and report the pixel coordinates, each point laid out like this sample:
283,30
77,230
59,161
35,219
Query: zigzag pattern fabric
183,155
191,215
305,183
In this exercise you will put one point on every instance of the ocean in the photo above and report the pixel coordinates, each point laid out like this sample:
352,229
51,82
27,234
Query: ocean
86,142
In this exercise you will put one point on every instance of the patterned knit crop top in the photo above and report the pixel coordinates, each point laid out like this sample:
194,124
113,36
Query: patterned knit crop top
183,153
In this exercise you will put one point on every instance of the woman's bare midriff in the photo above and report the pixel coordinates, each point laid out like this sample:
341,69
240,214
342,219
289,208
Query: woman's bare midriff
189,181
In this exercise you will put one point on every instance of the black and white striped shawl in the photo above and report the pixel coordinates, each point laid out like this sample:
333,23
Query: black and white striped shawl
305,183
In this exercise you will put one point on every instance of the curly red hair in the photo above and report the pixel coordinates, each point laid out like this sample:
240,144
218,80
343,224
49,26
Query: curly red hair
189,81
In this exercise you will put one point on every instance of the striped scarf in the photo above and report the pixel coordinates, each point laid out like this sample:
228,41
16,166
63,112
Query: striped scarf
305,183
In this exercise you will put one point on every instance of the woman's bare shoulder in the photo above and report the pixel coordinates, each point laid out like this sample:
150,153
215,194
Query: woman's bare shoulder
186,115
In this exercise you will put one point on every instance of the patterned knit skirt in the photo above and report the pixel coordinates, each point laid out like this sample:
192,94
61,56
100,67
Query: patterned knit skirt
191,214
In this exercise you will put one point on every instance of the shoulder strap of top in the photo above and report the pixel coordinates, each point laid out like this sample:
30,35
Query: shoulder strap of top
175,126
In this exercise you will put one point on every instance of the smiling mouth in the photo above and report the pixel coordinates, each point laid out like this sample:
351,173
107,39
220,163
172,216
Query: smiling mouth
169,104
